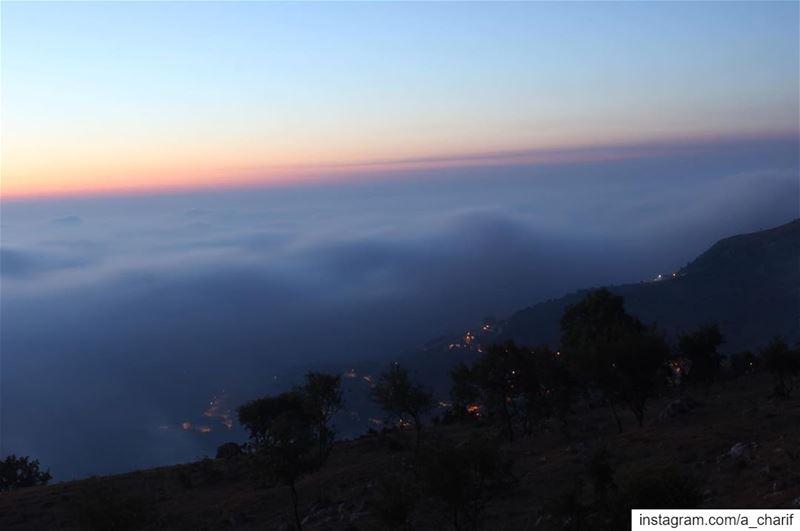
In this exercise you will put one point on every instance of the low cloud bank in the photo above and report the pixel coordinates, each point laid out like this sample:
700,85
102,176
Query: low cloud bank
123,317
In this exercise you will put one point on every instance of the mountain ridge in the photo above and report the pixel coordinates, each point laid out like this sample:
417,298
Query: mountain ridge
748,283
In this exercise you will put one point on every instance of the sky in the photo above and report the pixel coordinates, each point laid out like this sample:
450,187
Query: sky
104,97
202,200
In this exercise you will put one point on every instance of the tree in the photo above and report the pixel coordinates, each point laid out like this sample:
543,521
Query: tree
464,476
639,369
323,399
516,385
402,398
557,387
463,391
784,364
290,432
503,374
700,349
21,472
613,351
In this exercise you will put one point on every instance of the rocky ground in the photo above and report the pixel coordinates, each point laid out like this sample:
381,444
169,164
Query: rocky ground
743,446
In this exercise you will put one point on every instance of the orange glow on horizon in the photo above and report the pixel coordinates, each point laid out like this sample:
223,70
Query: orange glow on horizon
158,175
154,179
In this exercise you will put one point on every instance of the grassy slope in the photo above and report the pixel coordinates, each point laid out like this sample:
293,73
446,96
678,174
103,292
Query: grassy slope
218,494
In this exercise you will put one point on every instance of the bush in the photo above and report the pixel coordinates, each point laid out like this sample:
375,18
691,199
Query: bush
20,472
229,450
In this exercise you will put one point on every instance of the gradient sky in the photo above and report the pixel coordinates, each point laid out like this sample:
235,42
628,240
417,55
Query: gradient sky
101,97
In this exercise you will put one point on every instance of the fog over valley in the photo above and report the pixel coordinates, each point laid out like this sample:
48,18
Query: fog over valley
132,326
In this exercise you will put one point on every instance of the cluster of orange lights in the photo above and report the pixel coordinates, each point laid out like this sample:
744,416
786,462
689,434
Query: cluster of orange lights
188,426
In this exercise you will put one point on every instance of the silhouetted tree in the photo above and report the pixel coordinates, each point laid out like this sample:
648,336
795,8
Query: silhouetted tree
557,387
464,476
290,433
613,351
323,399
700,349
502,375
283,437
402,398
590,330
639,369
515,385
784,364
20,472
463,391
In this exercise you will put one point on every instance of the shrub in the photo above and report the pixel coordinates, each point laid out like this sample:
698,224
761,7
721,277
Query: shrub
20,472
228,450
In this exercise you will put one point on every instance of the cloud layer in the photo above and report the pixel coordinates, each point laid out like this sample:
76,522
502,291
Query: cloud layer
122,318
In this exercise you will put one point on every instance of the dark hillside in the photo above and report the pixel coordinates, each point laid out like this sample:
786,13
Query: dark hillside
749,284
227,494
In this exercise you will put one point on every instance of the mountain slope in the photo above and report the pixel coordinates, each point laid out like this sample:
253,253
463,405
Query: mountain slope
749,284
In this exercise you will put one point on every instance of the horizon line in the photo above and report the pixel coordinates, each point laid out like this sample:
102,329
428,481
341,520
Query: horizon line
330,174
